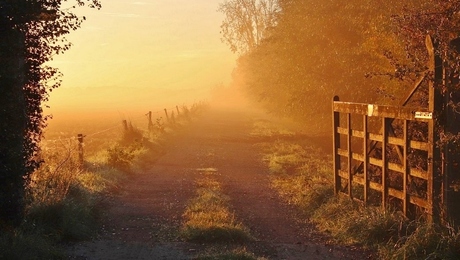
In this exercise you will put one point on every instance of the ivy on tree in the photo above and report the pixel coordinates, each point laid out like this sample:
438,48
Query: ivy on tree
31,33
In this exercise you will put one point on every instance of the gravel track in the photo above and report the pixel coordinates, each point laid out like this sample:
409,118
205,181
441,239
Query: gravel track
143,219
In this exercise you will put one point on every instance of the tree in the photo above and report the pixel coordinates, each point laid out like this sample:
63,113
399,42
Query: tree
246,22
318,49
31,33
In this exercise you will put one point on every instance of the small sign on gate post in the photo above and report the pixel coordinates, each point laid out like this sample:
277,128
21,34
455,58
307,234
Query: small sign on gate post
424,115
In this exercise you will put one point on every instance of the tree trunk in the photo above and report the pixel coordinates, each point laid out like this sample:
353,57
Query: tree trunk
13,123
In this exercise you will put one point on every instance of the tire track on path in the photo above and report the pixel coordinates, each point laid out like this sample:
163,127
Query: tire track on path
142,221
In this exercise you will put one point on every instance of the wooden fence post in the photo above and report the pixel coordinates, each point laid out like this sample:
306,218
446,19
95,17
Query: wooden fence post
166,113
80,150
125,125
150,124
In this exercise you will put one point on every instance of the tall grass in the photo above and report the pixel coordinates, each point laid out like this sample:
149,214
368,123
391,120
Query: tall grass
64,198
303,176
208,218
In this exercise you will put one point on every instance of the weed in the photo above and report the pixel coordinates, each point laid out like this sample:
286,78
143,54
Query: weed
52,181
428,241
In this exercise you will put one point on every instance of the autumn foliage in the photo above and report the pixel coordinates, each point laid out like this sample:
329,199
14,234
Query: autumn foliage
369,52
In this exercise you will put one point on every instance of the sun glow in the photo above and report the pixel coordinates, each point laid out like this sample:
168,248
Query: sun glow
135,55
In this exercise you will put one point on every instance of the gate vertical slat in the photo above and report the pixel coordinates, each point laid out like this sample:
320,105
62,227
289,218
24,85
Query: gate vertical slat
336,142
405,166
384,163
366,159
349,170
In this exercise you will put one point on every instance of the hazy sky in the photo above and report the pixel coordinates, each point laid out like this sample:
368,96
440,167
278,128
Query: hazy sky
157,44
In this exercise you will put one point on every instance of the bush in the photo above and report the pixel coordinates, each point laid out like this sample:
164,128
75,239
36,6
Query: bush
122,157
68,220
27,246
131,135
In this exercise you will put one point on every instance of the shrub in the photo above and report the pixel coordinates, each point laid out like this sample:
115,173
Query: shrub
122,157
67,220
131,135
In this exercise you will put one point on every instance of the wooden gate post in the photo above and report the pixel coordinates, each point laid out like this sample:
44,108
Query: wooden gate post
451,195
336,143
435,104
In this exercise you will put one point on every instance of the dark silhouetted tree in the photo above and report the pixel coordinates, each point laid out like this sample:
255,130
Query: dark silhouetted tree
31,32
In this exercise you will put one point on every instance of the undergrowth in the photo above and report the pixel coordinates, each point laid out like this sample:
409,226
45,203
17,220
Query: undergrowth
64,198
303,177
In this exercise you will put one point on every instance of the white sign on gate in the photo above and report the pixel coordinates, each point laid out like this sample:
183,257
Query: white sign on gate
424,115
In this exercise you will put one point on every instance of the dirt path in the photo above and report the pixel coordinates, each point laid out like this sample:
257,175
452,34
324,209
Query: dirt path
144,219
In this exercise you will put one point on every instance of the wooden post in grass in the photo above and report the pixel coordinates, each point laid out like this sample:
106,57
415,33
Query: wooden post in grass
125,125
173,119
150,125
177,108
166,113
80,150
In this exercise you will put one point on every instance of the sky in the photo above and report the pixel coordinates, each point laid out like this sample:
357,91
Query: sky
135,54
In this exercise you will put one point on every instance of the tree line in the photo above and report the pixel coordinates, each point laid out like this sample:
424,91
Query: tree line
307,51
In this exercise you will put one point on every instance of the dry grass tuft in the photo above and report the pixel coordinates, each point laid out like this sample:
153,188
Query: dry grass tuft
208,218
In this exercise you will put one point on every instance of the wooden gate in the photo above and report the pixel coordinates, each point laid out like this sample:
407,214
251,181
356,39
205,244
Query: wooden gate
374,166
380,158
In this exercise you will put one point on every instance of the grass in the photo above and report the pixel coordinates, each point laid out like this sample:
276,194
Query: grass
64,199
303,177
236,254
208,218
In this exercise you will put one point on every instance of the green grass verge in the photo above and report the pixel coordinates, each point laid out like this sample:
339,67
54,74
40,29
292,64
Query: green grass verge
303,176
207,217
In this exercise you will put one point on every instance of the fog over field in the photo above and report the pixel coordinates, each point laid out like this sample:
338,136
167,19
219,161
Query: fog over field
132,57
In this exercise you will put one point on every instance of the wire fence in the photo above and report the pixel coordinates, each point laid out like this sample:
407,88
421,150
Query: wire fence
148,123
